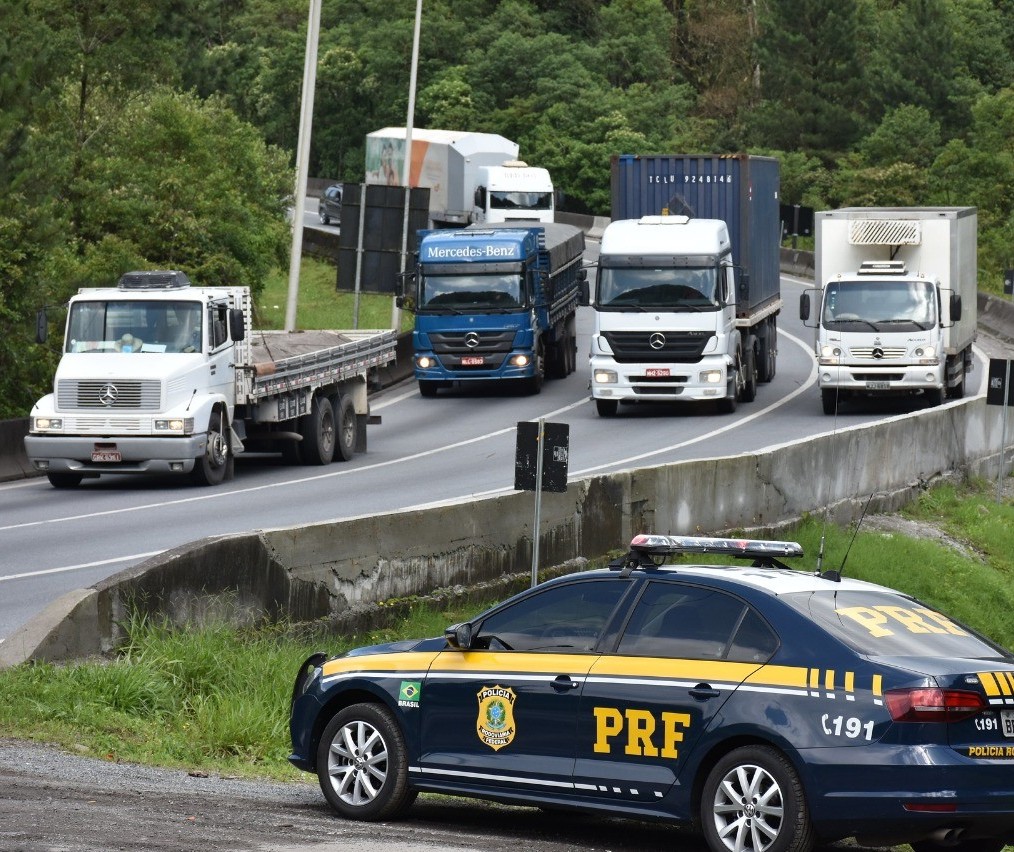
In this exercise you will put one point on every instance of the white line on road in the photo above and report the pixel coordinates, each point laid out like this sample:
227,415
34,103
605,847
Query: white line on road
80,567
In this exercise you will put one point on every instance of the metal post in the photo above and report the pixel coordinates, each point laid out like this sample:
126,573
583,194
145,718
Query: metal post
409,122
1003,434
538,500
302,160
359,253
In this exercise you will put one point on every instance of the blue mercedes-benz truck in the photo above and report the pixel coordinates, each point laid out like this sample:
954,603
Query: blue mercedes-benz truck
496,303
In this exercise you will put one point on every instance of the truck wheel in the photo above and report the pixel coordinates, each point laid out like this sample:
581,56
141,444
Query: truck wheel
767,352
606,407
934,397
362,764
65,480
570,345
428,388
958,391
729,403
749,393
534,384
212,467
317,429
829,400
345,427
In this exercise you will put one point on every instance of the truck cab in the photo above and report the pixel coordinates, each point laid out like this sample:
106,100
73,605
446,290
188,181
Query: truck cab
665,314
512,192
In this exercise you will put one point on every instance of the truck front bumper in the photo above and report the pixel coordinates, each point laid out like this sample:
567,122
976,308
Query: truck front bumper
147,454
495,367
886,379
707,379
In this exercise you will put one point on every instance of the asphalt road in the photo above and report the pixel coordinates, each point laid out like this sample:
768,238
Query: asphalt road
425,451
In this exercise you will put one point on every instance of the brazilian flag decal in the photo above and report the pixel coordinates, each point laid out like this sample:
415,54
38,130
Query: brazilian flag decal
409,693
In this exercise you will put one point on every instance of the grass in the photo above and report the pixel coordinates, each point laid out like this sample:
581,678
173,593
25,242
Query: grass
319,305
216,699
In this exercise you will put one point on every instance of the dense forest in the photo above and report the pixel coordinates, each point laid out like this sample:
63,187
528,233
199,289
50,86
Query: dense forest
162,132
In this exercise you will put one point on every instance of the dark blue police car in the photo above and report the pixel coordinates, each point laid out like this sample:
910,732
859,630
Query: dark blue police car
770,708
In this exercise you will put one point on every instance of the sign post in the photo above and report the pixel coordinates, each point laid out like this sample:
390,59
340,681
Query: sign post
540,464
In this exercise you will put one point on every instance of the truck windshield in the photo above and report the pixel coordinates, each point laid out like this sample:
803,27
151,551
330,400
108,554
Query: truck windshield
471,292
520,200
682,288
879,305
129,326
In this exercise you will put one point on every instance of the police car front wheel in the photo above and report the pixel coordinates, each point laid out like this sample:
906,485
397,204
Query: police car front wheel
753,800
362,765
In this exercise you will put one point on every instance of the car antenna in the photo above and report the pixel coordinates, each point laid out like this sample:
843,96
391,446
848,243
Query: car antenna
836,575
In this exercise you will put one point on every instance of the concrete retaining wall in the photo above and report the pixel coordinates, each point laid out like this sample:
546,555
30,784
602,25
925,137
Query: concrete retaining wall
331,570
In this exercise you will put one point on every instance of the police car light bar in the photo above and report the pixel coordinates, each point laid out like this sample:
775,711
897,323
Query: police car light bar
664,545
650,551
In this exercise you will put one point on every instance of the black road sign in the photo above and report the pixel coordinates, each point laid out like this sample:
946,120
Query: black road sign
555,456
999,387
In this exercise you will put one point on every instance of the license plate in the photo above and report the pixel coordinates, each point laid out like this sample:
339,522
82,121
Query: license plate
656,372
472,360
1007,722
878,385
105,454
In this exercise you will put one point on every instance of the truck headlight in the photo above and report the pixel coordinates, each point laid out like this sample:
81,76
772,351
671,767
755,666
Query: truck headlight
425,362
830,352
46,424
519,361
604,377
926,354
712,377
177,425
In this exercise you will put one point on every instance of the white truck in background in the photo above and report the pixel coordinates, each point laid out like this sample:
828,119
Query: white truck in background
895,304
159,377
473,178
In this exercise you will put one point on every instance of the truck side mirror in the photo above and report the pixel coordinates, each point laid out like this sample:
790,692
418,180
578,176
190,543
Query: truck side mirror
41,326
804,306
955,307
744,285
584,292
237,324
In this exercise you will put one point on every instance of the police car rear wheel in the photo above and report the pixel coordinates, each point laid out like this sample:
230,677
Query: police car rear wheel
362,765
753,802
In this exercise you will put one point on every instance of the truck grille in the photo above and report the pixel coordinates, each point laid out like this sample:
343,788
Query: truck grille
669,347
483,342
109,394
886,352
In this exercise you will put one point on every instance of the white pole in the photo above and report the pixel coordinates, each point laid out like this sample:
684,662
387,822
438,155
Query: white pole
302,159
409,122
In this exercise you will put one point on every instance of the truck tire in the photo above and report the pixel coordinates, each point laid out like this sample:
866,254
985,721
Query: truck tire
606,407
957,391
570,345
428,388
829,401
216,463
767,351
345,427
317,429
934,397
534,384
65,480
749,393
729,403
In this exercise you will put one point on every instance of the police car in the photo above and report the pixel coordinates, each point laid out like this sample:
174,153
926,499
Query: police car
769,708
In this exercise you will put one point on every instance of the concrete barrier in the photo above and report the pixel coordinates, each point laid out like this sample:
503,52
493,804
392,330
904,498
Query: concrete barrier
335,570
13,461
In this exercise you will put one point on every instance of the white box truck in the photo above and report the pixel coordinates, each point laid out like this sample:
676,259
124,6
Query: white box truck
895,304
473,178
158,376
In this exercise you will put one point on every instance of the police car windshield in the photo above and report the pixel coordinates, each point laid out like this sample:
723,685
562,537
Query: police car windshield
883,624
472,292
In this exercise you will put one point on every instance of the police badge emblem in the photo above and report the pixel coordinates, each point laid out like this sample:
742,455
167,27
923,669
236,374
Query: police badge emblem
495,723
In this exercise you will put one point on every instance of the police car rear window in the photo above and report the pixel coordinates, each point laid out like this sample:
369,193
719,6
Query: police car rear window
885,624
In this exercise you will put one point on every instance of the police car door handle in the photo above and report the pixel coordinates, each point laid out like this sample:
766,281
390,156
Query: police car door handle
704,691
564,682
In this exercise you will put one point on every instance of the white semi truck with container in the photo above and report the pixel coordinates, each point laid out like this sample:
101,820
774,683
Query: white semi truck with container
473,178
687,292
160,377
895,304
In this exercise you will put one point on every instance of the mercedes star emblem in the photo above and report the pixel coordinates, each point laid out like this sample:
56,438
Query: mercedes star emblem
471,340
108,394
657,340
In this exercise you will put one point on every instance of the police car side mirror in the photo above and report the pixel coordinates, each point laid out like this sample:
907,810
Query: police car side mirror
459,636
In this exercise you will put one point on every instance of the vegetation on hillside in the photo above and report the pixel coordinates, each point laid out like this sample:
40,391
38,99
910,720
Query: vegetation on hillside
151,134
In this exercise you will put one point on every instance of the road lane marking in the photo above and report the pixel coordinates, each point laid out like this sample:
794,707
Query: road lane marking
42,572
